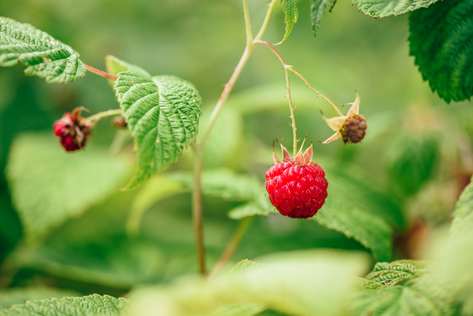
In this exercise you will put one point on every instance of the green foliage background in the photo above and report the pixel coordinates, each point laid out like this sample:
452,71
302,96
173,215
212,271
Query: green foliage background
410,169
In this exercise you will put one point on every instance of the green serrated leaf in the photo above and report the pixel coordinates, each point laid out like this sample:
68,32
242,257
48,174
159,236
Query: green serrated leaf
91,305
317,10
401,288
440,41
163,116
385,8
387,274
291,15
21,295
42,55
74,182
292,283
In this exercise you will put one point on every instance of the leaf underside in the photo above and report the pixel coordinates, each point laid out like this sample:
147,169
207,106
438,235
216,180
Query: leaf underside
162,114
42,55
291,15
385,8
440,42
318,9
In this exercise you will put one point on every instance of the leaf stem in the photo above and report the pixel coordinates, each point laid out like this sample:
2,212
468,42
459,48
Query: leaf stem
93,119
100,73
232,245
199,147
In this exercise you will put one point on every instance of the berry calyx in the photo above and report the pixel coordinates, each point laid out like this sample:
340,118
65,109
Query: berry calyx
297,186
351,127
72,130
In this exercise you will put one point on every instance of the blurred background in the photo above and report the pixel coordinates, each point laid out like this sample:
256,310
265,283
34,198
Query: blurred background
417,153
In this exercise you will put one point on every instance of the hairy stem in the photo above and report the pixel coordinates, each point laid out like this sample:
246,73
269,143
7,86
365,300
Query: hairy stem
100,73
199,147
291,69
232,245
93,119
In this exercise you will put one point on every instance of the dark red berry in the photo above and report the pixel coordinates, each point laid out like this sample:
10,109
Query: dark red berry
297,187
73,130
354,129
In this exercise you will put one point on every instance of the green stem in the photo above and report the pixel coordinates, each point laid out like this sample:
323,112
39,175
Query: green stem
232,245
199,147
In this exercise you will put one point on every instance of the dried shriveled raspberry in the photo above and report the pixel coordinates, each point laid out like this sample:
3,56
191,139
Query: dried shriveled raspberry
354,129
297,186
73,130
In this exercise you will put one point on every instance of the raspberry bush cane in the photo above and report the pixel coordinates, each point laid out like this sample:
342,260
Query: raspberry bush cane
133,85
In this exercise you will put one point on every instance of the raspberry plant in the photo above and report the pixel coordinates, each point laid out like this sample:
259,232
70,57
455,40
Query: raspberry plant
63,222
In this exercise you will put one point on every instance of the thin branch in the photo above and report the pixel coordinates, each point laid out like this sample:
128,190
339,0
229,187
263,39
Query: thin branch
199,147
197,210
232,245
291,68
100,73
248,27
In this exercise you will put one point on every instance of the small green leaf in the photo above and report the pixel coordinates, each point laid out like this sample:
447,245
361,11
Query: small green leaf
318,9
42,55
291,15
291,283
163,116
115,66
385,8
387,274
21,295
401,288
74,182
91,305
440,41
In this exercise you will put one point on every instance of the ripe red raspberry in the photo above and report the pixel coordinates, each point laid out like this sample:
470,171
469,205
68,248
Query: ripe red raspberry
72,130
297,186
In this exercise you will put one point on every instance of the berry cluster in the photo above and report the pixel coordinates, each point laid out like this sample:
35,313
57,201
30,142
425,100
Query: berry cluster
297,186
73,130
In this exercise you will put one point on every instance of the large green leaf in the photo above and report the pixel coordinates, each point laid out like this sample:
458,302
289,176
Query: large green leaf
318,9
440,41
451,256
21,295
399,288
102,254
384,8
413,162
361,213
50,186
91,305
163,116
463,213
42,55
293,283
